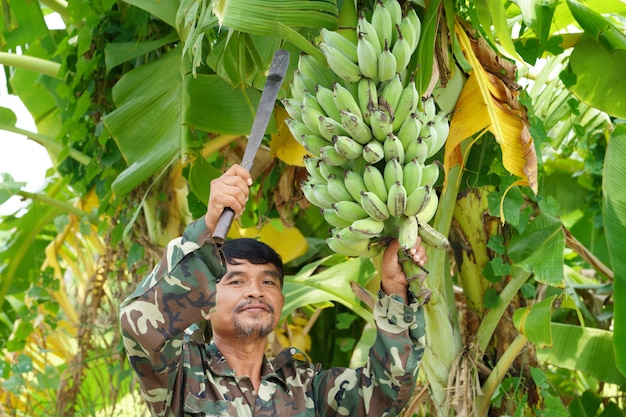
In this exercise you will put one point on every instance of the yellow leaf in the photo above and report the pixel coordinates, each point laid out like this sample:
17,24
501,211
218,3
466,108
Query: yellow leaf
287,241
283,144
488,104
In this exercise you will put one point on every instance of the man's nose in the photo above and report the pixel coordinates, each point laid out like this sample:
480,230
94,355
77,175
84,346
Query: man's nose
254,289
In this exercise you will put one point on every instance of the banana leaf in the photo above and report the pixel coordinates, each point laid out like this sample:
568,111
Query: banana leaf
614,215
332,284
156,104
602,46
587,350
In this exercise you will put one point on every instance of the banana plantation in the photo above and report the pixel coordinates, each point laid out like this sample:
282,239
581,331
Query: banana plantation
494,130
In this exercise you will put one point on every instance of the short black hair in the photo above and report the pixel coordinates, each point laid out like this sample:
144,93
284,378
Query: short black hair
253,251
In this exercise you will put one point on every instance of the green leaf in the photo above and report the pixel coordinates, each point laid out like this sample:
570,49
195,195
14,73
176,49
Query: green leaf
606,92
614,215
331,284
163,9
597,26
120,52
492,13
146,124
534,322
426,51
586,405
587,350
212,105
540,249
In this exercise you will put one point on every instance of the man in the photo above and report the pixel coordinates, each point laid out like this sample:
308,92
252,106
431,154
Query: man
239,290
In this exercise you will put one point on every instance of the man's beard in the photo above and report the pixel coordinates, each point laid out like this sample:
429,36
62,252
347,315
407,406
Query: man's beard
256,329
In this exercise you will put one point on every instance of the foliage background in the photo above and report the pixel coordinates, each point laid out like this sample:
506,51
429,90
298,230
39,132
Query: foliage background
141,103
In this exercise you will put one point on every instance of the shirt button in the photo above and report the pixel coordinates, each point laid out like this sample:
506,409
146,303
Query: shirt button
408,317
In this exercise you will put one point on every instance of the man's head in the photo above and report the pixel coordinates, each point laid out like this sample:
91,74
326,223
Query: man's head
249,295
252,251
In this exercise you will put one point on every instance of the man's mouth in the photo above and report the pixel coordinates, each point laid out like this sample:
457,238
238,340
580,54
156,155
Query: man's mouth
255,307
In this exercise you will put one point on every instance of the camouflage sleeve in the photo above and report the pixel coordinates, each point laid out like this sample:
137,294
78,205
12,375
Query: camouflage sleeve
178,291
384,385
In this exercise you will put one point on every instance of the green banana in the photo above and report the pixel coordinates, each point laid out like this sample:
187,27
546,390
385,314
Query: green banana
326,100
344,100
368,57
299,85
396,199
339,42
317,194
411,175
354,183
375,181
313,143
355,249
430,174
337,189
411,28
395,11
393,172
347,235
406,106
373,152
329,127
408,231
381,124
311,166
315,69
368,97
417,200
293,107
383,23
417,149
429,210
347,147
327,170
311,116
340,64
297,128
330,215
307,189
390,95
367,228
349,210
356,126
374,206
431,236
330,155
367,30
409,130
429,136
402,51
386,64
429,110
442,128
393,149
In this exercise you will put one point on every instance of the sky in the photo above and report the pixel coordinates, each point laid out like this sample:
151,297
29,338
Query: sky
24,159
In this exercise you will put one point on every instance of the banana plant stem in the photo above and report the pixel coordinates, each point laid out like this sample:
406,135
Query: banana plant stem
498,373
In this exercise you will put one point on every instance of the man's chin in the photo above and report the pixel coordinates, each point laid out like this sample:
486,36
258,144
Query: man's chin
256,329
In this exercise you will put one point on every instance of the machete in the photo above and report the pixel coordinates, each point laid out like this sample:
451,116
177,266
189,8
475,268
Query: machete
274,80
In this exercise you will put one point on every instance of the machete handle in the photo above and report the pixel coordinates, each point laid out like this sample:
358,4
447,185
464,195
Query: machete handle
223,226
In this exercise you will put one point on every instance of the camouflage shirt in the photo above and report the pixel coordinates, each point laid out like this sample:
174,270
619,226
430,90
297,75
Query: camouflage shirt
183,377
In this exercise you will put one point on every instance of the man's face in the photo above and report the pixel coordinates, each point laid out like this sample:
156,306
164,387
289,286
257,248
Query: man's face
249,301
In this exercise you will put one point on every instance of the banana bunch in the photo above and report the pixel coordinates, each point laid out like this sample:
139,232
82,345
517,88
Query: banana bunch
370,134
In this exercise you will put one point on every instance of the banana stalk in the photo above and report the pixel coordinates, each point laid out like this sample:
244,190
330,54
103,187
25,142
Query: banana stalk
443,335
